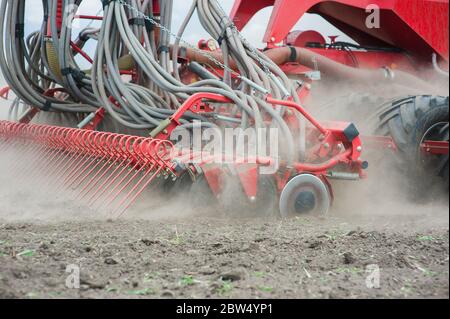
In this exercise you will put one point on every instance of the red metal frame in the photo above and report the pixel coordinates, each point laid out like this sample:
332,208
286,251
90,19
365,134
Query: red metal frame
98,153
4,92
326,155
81,52
380,142
405,23
364,60
435,147
101,163
98,118
29,115
87,17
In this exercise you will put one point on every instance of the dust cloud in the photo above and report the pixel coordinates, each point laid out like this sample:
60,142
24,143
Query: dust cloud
32,191
28,192
390,194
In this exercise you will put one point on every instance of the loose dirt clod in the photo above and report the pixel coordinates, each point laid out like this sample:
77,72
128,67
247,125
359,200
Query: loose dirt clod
111,261
232,276
349,258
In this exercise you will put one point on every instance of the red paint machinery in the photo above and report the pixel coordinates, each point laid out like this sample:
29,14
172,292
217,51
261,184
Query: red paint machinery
119,128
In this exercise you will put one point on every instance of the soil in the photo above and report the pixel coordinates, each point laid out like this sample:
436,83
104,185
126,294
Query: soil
205,257
162,248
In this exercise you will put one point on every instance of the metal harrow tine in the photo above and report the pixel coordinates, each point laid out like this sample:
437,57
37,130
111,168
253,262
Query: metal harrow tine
133,165
98,160
116,187
162,152
103,171
118,171
139,168
149,167
43,154
76,161
58,155
106,168
77,174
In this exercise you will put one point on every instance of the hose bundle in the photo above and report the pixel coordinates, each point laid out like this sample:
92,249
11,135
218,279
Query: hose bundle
136,35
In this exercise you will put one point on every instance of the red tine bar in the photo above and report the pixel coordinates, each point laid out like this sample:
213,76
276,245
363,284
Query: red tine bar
94,164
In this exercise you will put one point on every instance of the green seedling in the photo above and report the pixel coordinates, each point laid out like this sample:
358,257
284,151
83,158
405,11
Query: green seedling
26,253
226,287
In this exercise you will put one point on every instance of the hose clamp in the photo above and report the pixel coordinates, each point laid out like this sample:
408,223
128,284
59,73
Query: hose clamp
388,73
293,56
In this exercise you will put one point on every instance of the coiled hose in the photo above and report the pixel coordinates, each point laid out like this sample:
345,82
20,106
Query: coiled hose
156,91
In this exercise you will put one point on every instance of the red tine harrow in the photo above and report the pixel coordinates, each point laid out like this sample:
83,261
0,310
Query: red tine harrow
92,163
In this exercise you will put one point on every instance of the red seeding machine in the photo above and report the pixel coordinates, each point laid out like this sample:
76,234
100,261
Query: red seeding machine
222,120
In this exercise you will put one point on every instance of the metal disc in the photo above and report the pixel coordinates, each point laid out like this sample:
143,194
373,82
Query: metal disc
305,194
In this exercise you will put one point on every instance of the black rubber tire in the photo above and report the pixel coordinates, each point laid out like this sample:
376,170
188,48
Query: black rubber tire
407,121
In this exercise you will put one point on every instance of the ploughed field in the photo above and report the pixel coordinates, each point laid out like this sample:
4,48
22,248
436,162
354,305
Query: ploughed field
386,255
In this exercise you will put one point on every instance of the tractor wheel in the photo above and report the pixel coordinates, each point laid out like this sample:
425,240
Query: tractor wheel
410,122
305,194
